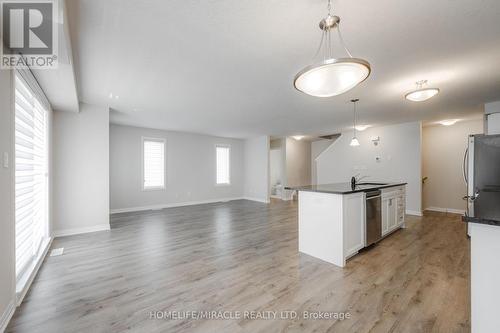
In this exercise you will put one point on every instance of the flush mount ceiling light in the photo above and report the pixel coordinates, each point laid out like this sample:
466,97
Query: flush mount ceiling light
361,128
298,137
354,141
421,94
448,122
331,76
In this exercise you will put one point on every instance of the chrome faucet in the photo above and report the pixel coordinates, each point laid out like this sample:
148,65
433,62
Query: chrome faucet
356,179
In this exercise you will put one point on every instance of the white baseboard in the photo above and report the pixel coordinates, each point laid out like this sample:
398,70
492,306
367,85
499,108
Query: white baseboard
171,205
7,315
257,199
413,212
446,210
76,231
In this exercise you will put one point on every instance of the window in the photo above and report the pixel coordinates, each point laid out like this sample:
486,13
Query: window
153,163
31,175
222,158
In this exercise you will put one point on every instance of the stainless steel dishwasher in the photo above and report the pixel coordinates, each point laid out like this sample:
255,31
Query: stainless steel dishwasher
373,217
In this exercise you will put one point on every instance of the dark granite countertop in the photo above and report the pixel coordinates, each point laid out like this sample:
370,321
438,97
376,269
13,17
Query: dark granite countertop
344,188
480,220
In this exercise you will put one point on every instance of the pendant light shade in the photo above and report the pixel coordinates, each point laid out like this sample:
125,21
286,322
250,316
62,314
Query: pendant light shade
421,94
354,142
331,76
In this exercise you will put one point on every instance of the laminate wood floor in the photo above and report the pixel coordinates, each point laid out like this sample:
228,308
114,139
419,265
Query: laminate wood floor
242,256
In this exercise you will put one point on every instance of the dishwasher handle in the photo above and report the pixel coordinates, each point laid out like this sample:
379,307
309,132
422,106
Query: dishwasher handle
373,194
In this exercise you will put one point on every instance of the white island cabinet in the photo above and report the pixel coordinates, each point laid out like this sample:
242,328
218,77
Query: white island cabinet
331,226
332,218
485,275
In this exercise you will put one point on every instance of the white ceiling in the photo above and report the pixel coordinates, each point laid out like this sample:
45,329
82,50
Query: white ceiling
226,67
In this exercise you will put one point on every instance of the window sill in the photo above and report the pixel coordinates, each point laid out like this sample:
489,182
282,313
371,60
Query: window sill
147,189
219,185
24,282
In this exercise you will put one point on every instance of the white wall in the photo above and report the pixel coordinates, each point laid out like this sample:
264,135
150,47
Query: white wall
493,107
257,168
7,226
190,169
317,147
399,151
298,162
492,111
81,170
443,149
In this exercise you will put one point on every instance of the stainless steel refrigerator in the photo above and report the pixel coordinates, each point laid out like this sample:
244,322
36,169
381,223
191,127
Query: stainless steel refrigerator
482,175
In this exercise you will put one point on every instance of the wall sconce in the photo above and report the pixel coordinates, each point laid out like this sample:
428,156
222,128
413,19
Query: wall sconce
375,140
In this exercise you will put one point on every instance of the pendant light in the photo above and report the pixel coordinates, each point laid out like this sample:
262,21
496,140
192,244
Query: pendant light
354,141
421,94
331,76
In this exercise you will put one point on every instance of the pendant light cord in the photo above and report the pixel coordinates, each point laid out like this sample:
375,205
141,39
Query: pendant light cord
320,45
342,41
354,119
326,40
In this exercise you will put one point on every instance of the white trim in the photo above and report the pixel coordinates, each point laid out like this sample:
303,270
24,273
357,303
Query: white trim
446,210
7,315
413,212
24,283
257,200
180,204
76,231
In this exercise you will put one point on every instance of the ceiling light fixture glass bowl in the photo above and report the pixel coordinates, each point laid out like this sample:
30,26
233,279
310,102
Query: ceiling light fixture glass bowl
421,94
332,77
448,122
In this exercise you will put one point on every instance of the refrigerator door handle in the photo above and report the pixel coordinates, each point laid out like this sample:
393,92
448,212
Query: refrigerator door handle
473,197
464,165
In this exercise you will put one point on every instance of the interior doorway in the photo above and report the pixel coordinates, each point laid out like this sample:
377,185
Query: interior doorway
276,168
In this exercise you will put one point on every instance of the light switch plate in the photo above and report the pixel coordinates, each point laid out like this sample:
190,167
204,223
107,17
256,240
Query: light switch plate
5,159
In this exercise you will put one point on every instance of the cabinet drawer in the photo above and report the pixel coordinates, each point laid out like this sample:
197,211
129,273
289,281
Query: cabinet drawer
393,191
391,194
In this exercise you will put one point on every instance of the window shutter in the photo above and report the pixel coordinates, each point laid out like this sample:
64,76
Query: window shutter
31,176
222,157
154,163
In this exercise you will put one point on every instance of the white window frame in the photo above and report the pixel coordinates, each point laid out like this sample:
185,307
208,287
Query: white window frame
221,145
155,188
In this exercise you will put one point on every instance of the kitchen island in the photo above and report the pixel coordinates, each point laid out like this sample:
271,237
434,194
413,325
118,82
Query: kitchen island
485,272
333,217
